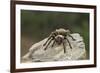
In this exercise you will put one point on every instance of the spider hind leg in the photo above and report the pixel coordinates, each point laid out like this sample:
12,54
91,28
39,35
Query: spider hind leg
71,37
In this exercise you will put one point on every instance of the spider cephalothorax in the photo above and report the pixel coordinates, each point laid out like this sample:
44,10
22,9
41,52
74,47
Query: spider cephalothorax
59,36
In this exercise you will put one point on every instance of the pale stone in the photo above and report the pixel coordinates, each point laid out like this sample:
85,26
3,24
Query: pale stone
38,54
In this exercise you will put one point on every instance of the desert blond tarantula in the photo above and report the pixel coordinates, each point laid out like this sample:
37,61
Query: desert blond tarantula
58,36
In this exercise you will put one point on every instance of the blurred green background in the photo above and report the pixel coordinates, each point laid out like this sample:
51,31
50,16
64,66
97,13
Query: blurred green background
37,25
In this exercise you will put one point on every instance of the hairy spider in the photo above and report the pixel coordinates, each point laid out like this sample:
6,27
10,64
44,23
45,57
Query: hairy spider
59,36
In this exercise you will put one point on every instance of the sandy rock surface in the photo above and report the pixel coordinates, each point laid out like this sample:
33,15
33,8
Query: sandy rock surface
56,53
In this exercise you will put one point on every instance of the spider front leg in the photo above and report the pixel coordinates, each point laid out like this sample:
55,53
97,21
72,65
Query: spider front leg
69,43
48,44
47,40
64,47
53,43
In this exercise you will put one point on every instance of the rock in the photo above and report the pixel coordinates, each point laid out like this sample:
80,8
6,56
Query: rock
38,54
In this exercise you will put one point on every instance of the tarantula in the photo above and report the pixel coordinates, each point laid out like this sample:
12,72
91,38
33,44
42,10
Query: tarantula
59,36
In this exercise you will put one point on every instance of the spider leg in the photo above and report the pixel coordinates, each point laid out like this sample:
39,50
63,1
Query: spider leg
48,44
71,37
53,43
47,41
69,43
64,47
